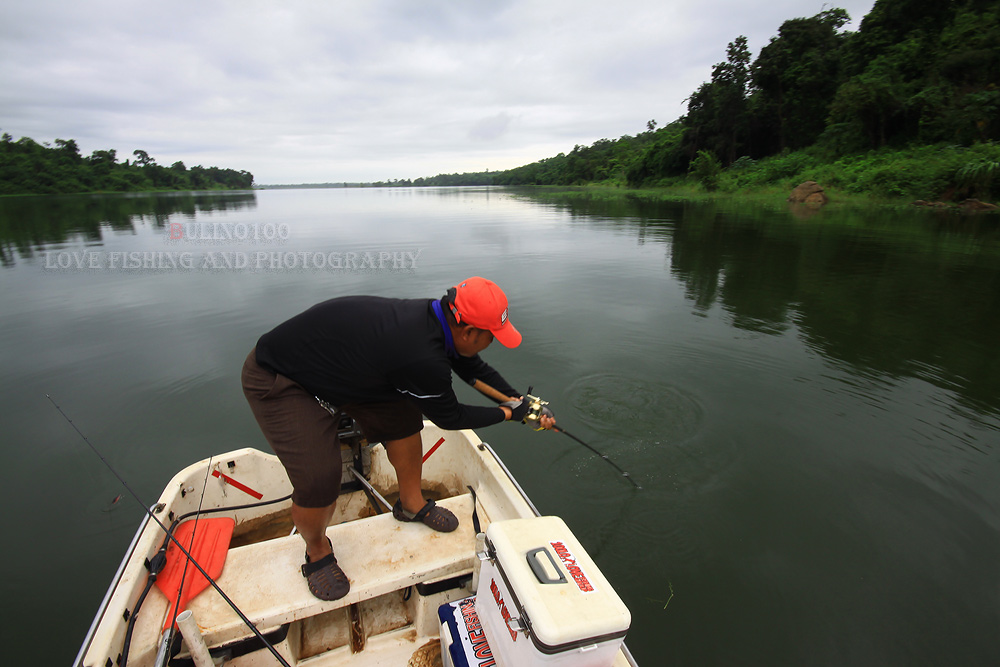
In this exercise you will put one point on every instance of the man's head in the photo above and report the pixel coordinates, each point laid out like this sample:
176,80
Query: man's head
478,303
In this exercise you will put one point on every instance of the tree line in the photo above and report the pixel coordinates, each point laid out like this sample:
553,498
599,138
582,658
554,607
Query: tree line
916,73
27,167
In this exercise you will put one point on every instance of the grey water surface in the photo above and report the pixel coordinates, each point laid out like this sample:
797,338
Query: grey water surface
809,400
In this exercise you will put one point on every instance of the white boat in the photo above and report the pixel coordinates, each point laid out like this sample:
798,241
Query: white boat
402,574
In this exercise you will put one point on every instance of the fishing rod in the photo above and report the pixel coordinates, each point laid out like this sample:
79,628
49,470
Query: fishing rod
197,518
537,408
173,539
158,562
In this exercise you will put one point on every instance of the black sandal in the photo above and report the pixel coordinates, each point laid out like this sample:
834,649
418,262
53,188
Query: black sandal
430,515
326,580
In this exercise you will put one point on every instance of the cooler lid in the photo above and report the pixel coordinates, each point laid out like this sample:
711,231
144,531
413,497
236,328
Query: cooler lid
560,593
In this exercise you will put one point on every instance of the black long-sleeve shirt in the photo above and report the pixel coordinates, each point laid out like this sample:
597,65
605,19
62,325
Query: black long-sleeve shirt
372,349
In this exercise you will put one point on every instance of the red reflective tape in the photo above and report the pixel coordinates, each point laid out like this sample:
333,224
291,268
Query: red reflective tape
432,449
242,487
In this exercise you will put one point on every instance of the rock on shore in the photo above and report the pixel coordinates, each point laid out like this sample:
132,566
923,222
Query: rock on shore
809,192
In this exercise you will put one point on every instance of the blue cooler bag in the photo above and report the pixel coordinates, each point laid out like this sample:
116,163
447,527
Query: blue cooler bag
463,642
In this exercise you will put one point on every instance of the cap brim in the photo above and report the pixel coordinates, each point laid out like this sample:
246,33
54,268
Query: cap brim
507,335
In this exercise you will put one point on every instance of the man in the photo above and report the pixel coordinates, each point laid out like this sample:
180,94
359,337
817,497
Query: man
386,363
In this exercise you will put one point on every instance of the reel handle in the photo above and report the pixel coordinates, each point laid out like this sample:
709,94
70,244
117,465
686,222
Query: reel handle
537,408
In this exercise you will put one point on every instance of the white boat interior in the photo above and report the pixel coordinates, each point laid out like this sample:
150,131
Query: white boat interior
400,573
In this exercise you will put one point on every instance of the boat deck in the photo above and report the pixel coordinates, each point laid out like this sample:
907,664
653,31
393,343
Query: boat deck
379,554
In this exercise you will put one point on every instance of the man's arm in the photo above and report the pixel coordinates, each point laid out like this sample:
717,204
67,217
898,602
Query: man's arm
430,386
474,369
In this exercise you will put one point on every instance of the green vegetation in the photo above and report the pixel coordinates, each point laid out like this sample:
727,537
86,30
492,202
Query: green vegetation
907,106
937,171
606,161
603,161
27,167
706,169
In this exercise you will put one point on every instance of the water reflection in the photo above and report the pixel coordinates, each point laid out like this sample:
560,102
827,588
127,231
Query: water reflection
896,293
28,223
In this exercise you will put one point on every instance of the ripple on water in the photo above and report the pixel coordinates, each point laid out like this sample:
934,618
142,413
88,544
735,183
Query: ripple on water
658,432
626,406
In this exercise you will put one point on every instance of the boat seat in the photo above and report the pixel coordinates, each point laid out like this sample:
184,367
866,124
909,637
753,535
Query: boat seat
379,555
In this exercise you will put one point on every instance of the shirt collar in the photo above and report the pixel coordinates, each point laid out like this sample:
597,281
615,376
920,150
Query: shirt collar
449,344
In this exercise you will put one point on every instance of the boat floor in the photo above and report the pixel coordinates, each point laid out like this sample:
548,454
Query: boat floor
379,554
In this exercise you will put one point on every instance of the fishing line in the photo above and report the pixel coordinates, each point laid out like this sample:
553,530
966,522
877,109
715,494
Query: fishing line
535,413
625,474
169,534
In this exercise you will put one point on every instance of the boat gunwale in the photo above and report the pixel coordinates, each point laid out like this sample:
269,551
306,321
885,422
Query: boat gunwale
115,580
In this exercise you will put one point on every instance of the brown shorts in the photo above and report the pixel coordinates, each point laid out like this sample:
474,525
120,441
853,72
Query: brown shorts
304,434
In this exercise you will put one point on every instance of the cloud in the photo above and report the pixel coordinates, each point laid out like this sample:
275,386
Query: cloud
343,91
491,128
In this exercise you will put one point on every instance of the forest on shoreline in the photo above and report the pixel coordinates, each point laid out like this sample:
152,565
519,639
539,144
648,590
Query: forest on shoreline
27,167
906,107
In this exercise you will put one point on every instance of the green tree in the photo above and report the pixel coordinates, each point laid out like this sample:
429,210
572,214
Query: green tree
795,78
69,151
27,167
107,158
142,158
891,22
706,169
869,102
717,117
664,156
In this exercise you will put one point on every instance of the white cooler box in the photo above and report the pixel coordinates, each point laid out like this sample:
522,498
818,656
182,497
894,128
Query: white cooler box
542,601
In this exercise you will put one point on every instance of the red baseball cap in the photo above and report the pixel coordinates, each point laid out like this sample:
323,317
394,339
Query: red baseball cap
483,304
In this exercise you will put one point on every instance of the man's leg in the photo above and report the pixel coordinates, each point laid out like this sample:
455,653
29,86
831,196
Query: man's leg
311,522
326,580
406,456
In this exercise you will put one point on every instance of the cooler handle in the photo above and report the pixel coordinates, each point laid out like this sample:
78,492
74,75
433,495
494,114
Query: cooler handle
539,569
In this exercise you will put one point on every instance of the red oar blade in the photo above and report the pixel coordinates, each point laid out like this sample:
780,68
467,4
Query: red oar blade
208,548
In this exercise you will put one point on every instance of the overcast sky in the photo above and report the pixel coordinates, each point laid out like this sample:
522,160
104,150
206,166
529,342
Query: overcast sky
299,91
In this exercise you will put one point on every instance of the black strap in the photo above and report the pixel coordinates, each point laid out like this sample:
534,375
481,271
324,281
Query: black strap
475,513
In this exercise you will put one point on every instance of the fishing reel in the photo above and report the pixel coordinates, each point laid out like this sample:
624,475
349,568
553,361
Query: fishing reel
537,408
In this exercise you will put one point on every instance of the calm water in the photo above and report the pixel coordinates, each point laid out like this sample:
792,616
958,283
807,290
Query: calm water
811,403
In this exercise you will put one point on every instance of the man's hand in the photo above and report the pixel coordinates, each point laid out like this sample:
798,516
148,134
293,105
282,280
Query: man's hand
518,409
547,420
